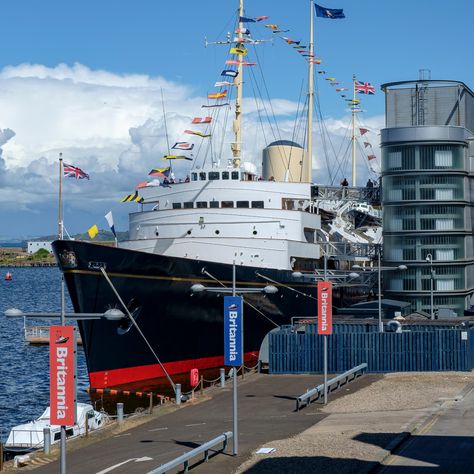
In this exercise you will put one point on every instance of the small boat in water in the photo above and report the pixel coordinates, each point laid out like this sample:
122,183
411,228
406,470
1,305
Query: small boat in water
8,276
30,436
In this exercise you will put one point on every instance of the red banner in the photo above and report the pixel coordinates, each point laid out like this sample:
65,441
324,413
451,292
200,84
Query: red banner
325,308
62,363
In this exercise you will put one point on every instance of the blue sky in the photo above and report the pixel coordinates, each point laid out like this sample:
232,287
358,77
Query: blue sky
79,77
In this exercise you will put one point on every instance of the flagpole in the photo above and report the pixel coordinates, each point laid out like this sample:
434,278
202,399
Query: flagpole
308,167
354,178
60,204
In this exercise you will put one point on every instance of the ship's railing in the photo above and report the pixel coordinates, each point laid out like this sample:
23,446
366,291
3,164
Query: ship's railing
186,457
347,250
21,441
345,193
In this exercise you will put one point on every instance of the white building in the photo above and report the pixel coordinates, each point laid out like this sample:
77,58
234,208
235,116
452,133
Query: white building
35,246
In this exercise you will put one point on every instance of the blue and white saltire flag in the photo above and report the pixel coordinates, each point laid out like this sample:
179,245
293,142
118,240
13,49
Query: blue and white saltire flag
332,13
110,221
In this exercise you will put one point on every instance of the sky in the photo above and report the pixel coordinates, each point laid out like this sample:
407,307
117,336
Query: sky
86,79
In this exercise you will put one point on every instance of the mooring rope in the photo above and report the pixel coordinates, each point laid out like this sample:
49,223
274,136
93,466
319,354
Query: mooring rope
137,327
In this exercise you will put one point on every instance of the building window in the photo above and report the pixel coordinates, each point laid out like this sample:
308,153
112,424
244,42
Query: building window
213,175
242,204
188,205
214,204
395,160
177,205
227,204
257,204
443,159
201,204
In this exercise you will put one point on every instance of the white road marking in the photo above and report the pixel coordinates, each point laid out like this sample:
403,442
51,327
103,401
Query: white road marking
159,429
111,468
124,434
196,424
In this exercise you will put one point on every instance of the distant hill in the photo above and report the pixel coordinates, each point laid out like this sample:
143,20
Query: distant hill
103,235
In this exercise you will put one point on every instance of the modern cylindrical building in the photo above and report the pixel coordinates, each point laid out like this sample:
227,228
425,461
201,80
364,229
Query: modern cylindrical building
283,160
428,194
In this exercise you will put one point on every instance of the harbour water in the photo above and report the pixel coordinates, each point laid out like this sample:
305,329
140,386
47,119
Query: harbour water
24,369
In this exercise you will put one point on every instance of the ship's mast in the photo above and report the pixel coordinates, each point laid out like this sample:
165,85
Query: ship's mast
307,171
353,107
238,81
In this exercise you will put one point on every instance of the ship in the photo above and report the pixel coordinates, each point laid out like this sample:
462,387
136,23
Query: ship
223,226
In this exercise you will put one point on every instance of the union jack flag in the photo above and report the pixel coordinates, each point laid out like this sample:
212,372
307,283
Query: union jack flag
364,88
74,172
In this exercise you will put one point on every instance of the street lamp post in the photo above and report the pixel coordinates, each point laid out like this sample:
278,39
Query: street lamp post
269,289
380,269
429,258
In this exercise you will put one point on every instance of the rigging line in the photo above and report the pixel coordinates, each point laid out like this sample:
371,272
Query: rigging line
205,272
137,327
166,127
296,125
267,94
285,286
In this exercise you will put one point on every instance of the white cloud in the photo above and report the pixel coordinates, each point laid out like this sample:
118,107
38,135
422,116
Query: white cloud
112,127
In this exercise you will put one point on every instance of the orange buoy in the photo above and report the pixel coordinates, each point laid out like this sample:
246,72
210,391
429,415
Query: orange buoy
8,276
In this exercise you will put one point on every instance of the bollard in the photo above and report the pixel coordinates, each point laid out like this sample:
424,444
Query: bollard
47,440
178,394
222,377
150,409
259,366
202,384
119,412
243,371
1,456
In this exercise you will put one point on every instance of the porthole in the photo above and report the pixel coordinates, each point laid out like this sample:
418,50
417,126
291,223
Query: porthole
254,232
217,232
189,232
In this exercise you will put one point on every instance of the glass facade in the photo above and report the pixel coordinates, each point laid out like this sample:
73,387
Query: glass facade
427,223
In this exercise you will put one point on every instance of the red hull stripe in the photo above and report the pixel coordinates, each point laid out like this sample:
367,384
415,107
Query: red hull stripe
114,377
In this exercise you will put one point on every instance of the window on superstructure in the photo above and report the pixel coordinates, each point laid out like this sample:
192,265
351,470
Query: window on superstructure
194,176
177,205
225,175
188,205
257,204
235,175
309,234
202,176
214,204
242,204
201,204
213,175
227,204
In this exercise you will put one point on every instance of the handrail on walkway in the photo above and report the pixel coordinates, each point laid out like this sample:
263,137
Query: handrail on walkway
184,459
338,381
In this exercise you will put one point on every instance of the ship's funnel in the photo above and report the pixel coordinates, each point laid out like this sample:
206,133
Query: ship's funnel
282,160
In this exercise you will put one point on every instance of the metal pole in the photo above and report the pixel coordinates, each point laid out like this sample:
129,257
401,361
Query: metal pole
234,379
380,293
325,369
431,288
325,361
235,437
62,469
222,375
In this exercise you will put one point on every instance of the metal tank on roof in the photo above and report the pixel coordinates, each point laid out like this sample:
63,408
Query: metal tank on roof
282,160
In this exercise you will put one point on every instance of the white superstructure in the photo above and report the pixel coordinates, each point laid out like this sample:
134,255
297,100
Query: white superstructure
226,215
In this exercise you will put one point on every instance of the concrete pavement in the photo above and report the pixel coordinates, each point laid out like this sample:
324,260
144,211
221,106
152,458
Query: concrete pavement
445,442
266,413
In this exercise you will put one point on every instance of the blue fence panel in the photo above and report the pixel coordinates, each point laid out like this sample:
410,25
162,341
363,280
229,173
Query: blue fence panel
424,350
